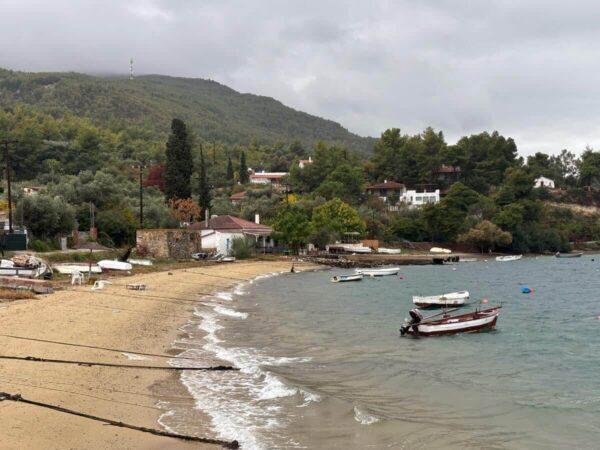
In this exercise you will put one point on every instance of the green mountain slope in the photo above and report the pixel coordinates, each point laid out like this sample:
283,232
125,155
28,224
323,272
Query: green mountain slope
214,111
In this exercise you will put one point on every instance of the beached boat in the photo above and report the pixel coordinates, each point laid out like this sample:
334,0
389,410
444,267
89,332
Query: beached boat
508,258
478,320
140,262
25,266
70,269
110,264
389,251
439,250
437,301
382,272
468,260
346,278
568,255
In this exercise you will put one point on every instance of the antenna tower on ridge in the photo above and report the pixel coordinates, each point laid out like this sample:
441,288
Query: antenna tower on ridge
131,68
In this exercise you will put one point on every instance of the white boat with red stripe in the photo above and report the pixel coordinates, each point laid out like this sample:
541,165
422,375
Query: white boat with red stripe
445,323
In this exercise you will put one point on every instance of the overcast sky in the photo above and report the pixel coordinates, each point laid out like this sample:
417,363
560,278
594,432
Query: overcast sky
527,68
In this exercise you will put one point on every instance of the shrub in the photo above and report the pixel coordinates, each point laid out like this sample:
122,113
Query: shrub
242,248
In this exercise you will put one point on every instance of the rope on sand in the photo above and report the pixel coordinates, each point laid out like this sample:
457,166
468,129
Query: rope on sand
108,349
125,366
5,396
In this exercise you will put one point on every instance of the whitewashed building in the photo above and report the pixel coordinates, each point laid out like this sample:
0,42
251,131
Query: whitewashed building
543,182
219,232
414,198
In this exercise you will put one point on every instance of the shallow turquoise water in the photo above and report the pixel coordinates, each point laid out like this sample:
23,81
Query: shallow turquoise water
352,382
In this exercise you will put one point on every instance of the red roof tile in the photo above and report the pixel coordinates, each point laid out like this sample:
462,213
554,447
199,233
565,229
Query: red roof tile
231,223
238,196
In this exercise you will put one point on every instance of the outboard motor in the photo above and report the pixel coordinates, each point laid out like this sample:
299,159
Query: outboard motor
416,318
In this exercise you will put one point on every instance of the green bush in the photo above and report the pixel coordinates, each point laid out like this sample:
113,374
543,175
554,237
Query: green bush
242,248
39,246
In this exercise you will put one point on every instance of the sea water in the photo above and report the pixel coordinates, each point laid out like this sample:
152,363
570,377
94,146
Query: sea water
323,364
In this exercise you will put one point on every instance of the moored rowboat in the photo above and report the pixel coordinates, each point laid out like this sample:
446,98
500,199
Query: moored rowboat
450,299
379,272
568,255
464,323
508,258
346,278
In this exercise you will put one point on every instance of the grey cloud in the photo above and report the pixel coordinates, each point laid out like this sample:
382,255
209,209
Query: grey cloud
526,68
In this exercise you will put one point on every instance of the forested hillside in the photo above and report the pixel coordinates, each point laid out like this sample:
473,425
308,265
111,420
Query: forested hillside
214,112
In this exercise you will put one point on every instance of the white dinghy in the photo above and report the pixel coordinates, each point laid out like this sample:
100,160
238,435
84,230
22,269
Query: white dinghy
508,258
438,301
110,264
346,278
70,269
386,271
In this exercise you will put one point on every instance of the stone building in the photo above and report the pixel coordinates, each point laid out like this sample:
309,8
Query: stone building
168,243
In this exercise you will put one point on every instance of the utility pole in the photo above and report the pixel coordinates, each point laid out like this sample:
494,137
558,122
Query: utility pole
5,142
141,166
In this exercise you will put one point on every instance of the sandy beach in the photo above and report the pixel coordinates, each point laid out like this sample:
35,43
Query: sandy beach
138,321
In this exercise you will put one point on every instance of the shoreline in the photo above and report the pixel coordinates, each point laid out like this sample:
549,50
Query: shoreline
145,321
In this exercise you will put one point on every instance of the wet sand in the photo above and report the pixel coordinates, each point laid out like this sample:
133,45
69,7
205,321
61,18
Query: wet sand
144,321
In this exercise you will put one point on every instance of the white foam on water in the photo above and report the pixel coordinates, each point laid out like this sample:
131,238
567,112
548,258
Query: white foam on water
224,296
244,405
239,289
230,312
135,357
363,417
309,397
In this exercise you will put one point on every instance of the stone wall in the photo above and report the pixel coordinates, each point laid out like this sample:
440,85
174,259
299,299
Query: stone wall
168,243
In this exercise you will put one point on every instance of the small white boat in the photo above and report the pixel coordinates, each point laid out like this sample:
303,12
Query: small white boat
139,262
390,251
110,264
439,250
386,271
468,260
70,269
346,278
508,258
478,320
450,299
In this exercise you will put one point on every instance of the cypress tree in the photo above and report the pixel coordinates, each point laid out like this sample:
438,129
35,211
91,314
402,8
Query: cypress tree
229,175
179,165
244,178
204,196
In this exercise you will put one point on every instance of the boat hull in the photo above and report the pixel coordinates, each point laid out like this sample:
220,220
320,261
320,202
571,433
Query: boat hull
569,255
346,278
468,323
508,258
440,301
378,272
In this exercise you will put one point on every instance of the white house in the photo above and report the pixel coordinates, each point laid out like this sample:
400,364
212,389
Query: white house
263,177
305,162
219,232
543,182
414,199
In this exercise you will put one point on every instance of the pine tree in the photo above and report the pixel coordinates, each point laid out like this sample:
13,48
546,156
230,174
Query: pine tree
229,175
244,178
204,195
179,165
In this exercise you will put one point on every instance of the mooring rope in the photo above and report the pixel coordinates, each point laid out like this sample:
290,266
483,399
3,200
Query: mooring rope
103,364
108,349
5,396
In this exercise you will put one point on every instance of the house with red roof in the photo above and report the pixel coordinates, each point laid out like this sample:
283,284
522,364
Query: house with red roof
237,197
274,179
219,232
387,191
